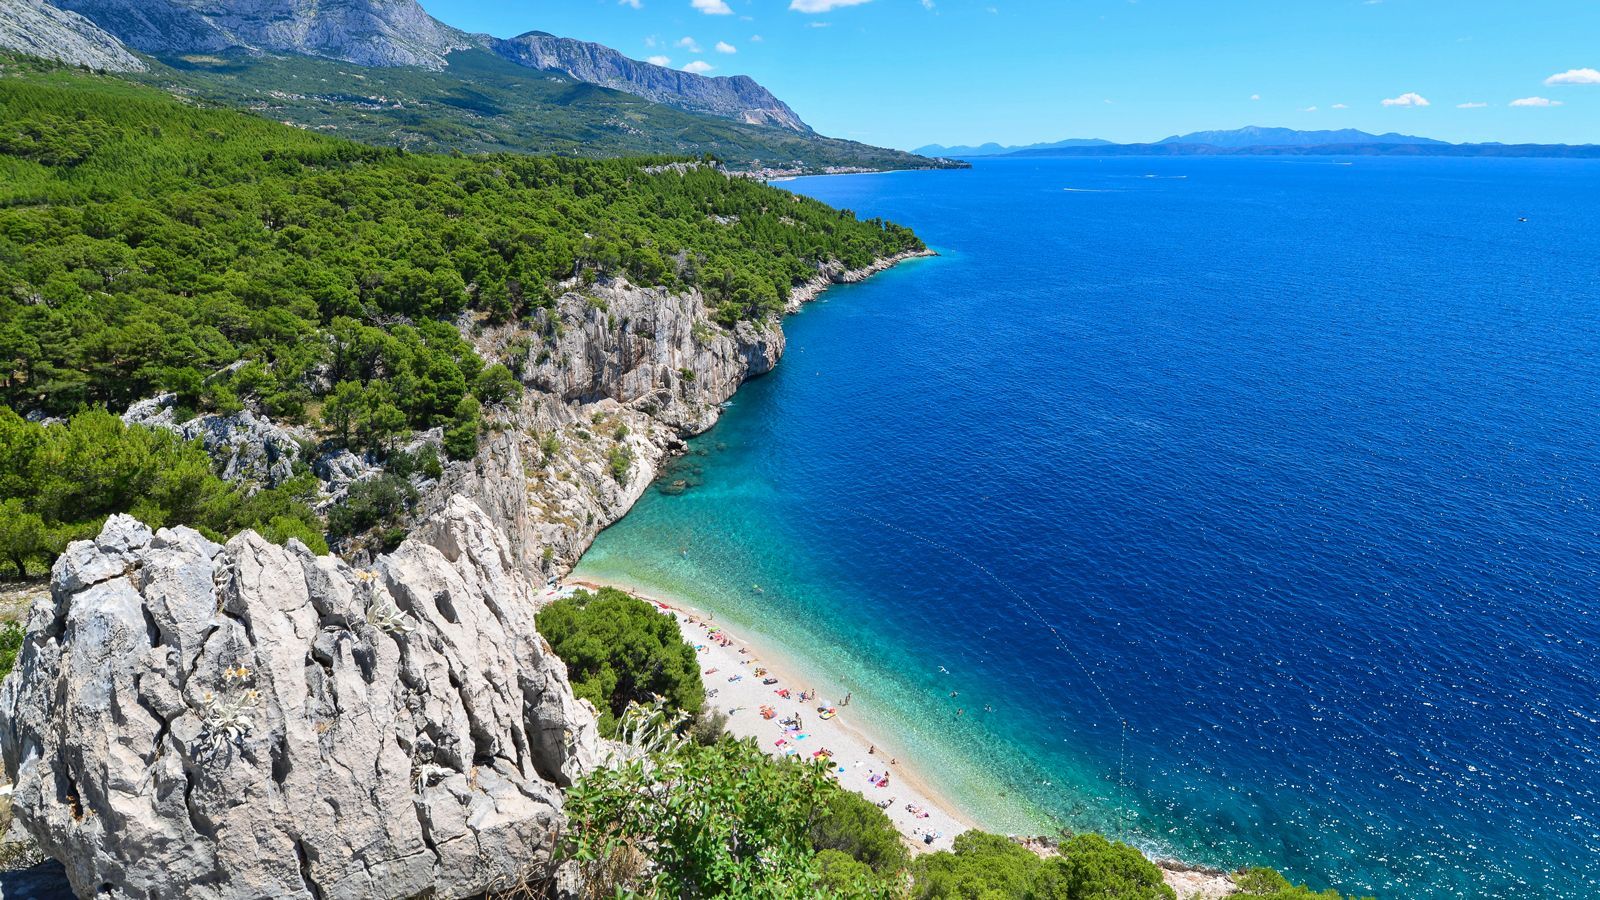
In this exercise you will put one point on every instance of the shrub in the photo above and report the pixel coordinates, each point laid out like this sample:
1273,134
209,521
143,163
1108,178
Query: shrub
375,502
620,650
10,645
851,824
1093,868
719,821
620,463
1268,884
61,481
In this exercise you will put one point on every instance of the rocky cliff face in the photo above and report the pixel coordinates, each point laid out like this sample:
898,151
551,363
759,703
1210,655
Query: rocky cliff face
39,29
738,97
617,377
204,721
616,372
366,32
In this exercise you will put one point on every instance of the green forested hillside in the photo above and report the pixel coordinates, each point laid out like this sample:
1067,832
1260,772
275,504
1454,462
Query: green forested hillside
147,246
482,103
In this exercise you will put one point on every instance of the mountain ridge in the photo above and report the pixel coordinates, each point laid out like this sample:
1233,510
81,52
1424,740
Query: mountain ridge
401,33
1255,140
994,149
1259,136
737,97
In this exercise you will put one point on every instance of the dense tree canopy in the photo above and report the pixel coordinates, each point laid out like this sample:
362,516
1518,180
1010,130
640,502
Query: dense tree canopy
145,245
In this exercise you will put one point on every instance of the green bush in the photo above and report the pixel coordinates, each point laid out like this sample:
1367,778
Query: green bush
1267,884
620,650
720,821
1093,868
851,824
979,867
10,645
373,504
989,867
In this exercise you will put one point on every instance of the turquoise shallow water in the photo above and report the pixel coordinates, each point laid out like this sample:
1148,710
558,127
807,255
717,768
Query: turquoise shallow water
1247,507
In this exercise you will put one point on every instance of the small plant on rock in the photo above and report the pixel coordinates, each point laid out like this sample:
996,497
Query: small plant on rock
384,615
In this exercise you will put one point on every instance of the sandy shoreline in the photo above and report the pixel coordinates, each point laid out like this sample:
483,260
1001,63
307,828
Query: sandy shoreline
857,753
849,741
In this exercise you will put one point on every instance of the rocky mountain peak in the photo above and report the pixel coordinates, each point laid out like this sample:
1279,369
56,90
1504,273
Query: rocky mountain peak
736,97
39,29
366,32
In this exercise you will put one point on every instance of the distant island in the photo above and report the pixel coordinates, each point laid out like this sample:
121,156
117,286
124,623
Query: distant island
1260,141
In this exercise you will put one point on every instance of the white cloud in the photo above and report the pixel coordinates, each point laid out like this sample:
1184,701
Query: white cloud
659,60
1309,109
1535,101
822,6
725,47
1339,106
1410,98
633,3
712,7
756,38
698,67
1575,76
1471,105
689,44
1255,96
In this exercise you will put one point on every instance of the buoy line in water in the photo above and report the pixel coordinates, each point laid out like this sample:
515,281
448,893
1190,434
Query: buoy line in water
1123,812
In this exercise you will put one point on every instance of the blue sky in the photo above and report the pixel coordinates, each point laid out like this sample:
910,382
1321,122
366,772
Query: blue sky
904,73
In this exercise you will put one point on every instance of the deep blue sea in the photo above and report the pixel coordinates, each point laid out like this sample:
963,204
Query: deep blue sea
1248,509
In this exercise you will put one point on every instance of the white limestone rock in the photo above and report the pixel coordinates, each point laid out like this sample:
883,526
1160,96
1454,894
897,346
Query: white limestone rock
188,720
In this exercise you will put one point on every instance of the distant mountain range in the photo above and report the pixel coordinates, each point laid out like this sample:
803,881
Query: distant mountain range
1256,136
993,149
1259,141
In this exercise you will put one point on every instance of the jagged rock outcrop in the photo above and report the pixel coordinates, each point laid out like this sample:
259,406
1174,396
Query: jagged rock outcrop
243,721
366,32
39,29
245,446
738,97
